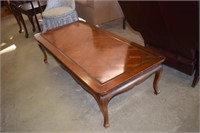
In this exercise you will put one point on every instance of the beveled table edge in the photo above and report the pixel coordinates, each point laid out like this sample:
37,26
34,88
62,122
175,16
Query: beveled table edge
98,87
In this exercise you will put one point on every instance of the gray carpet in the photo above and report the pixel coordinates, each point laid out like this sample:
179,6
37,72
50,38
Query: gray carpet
38,97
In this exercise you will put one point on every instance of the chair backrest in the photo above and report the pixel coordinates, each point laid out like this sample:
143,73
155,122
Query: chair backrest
60,3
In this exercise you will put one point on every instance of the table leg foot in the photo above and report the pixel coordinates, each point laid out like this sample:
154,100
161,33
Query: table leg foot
103,105
157,92
26,35
156,80
106,125
20,30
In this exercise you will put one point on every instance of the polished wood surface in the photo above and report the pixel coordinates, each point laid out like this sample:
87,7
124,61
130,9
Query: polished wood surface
104,64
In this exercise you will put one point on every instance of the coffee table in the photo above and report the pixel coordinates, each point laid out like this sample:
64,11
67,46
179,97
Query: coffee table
103,63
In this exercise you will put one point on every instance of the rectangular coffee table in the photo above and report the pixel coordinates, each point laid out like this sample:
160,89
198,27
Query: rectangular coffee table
104,64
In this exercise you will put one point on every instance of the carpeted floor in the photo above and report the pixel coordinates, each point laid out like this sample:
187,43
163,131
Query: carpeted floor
38,97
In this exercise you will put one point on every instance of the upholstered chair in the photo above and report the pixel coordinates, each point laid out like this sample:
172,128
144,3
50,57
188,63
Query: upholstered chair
58,13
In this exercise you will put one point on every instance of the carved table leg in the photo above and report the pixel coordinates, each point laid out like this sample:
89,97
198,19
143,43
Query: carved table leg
44,52
32,22
196,78
103,105
24,25
16,15
35,15
156,80
19,23
196,75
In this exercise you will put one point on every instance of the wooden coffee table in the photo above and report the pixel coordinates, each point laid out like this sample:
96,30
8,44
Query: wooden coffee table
104,64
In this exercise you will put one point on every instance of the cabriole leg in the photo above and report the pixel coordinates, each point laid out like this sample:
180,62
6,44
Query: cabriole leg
156,80
103,105
44,53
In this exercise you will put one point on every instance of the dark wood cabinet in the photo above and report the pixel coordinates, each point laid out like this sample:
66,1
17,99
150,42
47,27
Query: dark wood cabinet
169,27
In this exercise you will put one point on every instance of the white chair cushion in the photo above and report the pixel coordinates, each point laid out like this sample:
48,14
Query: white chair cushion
58,11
